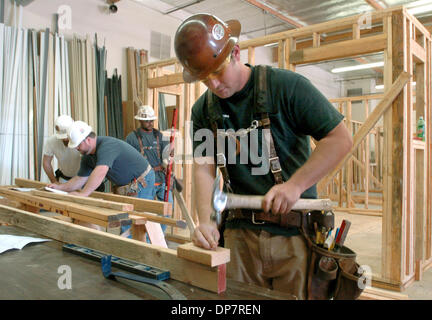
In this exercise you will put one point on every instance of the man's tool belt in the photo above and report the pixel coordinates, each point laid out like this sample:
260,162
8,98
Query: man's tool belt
332,274
59,174
293,218
131,189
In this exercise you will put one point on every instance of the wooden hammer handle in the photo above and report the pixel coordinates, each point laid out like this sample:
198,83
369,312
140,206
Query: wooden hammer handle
235,201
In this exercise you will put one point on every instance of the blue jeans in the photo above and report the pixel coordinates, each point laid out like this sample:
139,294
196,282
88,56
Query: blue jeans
148,191
159,192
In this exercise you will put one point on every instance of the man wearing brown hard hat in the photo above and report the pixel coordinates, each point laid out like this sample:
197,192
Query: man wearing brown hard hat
257,101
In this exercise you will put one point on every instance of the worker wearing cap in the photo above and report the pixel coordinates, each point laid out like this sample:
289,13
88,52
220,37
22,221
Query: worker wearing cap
68,160
108,157
150,143
262,101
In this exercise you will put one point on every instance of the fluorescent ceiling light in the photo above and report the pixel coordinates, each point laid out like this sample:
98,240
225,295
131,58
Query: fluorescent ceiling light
422,9
271,44
418,3
421,6
358,67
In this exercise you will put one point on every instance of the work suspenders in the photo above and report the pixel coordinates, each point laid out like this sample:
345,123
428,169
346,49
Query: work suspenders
138,136
260,107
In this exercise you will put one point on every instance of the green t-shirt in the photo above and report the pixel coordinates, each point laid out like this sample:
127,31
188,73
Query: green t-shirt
124,162
296,110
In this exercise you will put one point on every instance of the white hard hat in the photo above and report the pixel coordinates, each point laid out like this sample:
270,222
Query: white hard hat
77,132
145,113
62,124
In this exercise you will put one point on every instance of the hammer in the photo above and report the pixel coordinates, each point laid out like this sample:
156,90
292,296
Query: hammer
222,201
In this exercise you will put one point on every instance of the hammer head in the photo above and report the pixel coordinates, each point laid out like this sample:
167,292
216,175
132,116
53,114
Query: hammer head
219,200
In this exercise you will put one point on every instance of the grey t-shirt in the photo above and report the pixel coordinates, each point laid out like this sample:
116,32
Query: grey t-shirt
124,162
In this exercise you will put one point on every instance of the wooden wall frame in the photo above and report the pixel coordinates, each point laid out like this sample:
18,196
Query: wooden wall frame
406,164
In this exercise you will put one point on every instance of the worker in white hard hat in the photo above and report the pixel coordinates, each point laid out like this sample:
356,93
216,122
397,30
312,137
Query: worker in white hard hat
150,143
107,157
68,160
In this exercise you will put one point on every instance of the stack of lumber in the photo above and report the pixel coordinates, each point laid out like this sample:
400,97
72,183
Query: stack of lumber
202,268
103,209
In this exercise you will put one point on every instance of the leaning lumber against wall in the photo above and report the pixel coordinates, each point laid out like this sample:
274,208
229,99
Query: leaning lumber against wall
194,273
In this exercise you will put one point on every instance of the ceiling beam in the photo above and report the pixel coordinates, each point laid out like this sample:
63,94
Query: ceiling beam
275,13
375,4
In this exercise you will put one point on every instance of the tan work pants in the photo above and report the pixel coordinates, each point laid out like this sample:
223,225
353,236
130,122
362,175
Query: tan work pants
270,261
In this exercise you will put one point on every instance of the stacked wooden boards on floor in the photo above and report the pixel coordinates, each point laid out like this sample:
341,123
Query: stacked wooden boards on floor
205,269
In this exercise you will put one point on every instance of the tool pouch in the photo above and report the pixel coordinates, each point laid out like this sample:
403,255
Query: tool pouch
331,274
130,190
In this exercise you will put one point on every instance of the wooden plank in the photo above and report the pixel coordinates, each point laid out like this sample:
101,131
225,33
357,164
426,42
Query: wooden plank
372,120
386,152
27,183
358,98
159,219
165,80
418,52
281,54
56,216
340,50
155,234
251,55
375,4
128,117
367,153
210,258
159,207
366,212
349,166
380,294
185,212
86,200
202,276
161,63
325,27
370,175
153,206
392,239
428,150
63,206
316,39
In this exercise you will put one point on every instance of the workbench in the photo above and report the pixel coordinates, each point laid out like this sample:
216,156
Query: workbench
32,273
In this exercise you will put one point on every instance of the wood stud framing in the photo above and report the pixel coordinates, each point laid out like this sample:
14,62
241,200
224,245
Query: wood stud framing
402,169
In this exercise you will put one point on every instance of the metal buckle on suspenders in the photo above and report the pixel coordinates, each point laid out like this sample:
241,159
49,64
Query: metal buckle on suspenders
275,165
220,160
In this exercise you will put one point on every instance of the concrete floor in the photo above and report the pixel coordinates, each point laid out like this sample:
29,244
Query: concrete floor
364,238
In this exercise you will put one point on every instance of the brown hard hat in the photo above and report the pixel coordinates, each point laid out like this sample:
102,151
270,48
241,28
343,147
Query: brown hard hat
203,42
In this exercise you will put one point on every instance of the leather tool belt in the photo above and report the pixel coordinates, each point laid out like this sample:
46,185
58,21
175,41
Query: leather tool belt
131,189
294,218
59,174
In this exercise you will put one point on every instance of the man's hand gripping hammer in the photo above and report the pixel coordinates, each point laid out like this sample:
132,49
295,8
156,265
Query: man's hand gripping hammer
223,201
